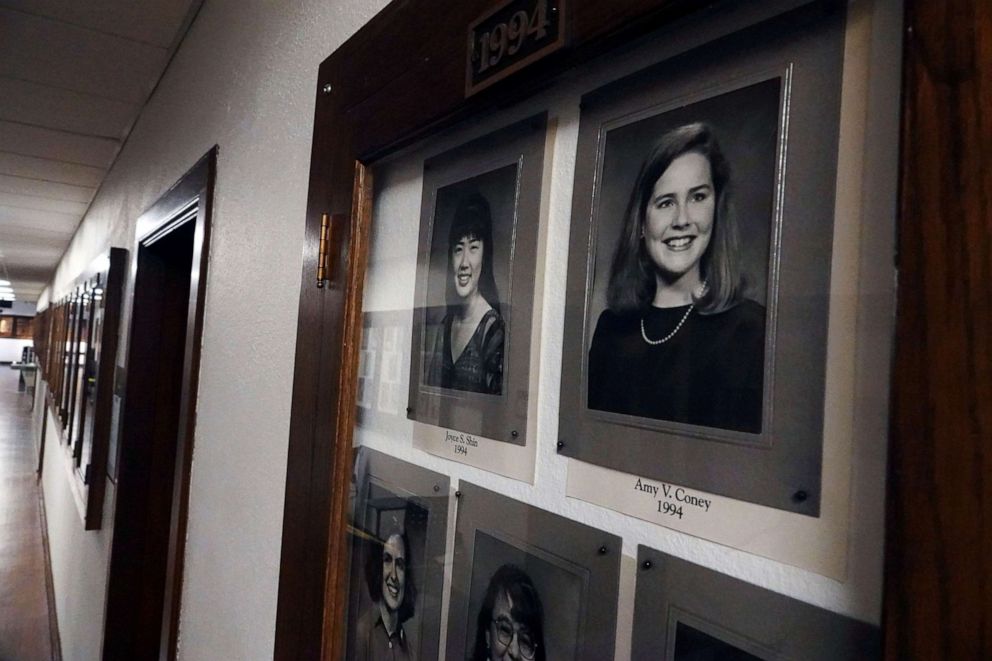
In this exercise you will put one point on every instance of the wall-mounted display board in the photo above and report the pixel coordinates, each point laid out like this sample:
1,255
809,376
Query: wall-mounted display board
398,530
527,584
78,365
470,372
17,327
686,612
739,421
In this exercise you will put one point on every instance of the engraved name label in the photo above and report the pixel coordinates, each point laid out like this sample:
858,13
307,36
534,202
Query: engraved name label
459,443
513,35
674,501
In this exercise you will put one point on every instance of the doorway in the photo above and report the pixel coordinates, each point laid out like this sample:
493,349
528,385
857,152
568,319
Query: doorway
154,454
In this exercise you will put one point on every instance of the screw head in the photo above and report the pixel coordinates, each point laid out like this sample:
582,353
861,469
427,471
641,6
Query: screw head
409,409
326,89
437,488
603,550
647,564
458,494
800,496
561,444
514,433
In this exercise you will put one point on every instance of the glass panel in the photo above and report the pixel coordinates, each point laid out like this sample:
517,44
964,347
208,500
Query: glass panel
518,484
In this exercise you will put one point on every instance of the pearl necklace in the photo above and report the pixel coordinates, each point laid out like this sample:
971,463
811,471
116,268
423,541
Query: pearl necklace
655,343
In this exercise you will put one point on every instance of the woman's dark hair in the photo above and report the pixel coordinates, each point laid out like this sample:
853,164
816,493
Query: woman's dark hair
527,609
632,274
373,574
474,221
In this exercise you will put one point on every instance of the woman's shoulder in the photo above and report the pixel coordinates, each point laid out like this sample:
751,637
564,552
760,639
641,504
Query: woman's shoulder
492,326
747,319
611,319
750,312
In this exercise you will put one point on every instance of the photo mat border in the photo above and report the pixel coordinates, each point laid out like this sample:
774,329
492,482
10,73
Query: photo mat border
500,417
516,523
767,622
428,490
806,46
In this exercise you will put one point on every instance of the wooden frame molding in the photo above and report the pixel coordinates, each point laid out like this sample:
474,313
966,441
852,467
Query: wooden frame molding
370,102
938,597
168,276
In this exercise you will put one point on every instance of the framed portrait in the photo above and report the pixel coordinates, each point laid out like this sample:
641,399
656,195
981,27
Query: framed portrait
398,531
699,265
686,612
528,584
470,346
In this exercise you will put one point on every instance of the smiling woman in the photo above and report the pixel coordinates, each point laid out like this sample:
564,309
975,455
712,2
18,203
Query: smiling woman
678,340
468,351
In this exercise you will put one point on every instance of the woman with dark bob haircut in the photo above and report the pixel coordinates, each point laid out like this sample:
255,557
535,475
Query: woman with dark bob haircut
679,341
468,351
510,625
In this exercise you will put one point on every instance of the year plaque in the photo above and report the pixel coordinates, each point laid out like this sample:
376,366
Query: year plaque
509,37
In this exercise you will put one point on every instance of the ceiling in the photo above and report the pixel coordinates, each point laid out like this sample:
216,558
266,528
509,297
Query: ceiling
74,76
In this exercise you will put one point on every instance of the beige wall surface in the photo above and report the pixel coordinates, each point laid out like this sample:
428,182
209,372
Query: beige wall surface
243,79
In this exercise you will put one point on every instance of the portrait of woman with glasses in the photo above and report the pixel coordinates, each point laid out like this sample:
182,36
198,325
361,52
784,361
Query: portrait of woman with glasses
510,625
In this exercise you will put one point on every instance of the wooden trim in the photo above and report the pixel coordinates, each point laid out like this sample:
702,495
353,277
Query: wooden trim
53,618
130,577
938,596
187,410
103,408
338,548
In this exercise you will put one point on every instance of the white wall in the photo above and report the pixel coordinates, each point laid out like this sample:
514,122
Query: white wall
20,309
245,79
10,349
79,558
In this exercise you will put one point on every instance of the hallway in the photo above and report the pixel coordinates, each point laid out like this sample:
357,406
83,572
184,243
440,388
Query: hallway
24,619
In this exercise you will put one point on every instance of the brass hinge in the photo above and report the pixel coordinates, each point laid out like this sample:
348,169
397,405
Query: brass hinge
323,252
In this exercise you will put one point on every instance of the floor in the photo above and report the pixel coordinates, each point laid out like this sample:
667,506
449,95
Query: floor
25,634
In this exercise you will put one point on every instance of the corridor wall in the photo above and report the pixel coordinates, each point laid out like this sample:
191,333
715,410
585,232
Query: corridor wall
244,78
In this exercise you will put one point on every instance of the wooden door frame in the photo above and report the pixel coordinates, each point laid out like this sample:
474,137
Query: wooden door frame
371,101
160,220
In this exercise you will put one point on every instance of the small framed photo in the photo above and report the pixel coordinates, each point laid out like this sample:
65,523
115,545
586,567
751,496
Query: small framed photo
528,584
686,612
399,524
470,354
699,265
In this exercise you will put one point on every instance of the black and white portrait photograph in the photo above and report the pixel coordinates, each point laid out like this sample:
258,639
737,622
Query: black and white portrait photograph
685,217
395,578
469,284
529,584
474,295
523,603
688,612
692,644
699,267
